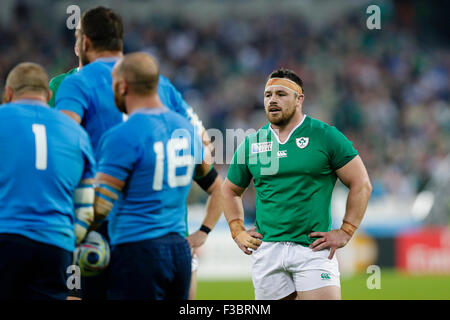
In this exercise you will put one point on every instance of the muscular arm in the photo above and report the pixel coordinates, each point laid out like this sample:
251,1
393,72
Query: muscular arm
106,193
72,115
355,177
214,206
234,213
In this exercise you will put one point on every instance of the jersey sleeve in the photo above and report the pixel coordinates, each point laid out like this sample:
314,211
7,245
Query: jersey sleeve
116,157
72,96
88,155
238,172
340,149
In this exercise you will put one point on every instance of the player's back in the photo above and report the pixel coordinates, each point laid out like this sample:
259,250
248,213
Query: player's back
155,152
44,155
89,94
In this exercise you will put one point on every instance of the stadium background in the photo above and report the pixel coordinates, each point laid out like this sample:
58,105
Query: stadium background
387,90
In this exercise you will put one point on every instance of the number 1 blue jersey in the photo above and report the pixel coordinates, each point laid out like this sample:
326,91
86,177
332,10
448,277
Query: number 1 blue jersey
155,152
44,155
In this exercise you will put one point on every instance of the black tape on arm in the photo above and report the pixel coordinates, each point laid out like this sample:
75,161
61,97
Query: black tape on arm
206,181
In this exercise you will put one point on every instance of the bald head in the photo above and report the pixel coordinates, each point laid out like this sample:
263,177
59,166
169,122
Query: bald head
27,79
140,71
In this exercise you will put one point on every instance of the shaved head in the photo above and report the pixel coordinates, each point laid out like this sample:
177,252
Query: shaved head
27,77
140,71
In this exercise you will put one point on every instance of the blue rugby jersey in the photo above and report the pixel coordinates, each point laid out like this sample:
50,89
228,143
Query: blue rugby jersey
44,155
155,152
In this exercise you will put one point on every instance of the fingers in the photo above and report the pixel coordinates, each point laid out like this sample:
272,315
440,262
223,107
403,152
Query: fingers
252,243
317,234
255,234
317,242
322,246
333,249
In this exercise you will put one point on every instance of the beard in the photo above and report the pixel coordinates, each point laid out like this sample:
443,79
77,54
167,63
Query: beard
120,102
82,56
282,118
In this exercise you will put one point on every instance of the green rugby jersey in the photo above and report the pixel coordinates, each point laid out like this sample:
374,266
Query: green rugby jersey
293,180
55,82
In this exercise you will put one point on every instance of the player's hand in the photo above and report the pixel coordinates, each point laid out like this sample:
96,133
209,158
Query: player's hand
197,239
248,239
333,240
80,232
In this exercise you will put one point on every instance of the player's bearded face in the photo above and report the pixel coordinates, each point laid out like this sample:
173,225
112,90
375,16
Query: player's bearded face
81,52
280,105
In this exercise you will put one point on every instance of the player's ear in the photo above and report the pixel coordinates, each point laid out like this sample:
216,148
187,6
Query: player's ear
86,43
300,99
49,95
8,95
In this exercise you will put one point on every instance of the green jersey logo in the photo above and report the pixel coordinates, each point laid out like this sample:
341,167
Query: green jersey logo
325,276
302,142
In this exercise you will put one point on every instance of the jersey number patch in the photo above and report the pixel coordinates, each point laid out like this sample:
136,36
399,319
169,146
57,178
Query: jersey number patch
174,161
40,138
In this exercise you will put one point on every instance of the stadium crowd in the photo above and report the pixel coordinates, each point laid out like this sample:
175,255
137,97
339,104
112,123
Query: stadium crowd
384,90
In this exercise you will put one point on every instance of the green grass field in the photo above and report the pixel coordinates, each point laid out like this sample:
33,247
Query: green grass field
394,286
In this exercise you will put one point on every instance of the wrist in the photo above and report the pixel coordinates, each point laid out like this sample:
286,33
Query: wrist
348,228
236,227
205,229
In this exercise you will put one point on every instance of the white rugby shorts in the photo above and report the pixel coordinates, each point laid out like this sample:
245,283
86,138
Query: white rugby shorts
281,268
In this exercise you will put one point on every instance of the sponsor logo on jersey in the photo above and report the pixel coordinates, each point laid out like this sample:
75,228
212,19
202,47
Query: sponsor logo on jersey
282,154
261,147
302,142
325,276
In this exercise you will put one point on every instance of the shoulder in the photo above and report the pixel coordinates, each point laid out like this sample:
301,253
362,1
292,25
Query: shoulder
317,125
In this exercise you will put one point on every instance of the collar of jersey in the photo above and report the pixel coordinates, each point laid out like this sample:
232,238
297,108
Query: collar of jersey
32,102
107,59
290,133
147,110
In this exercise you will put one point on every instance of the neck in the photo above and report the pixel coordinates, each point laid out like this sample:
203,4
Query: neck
134,102
94,55
30,96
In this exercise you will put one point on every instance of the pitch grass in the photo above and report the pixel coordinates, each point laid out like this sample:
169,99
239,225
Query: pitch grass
394,286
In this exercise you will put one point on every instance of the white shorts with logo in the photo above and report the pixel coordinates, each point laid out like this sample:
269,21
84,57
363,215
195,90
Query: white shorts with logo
281,268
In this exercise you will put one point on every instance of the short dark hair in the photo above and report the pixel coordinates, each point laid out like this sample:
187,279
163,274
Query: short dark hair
104,28
289,74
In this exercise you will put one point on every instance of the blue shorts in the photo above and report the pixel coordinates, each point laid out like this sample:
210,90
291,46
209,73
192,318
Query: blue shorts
155,269
31,270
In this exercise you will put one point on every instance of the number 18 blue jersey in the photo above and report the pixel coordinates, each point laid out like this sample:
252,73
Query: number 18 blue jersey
155,152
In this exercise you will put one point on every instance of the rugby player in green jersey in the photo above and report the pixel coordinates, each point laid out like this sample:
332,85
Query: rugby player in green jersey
294,161
55,82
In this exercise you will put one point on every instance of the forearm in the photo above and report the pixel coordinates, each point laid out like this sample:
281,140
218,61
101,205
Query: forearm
214,205
357,201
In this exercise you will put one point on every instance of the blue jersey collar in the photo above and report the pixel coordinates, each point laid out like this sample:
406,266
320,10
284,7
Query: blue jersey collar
148,110
107,59
32,102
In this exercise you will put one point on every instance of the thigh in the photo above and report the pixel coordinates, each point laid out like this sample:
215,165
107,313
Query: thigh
150,270
270,279
15,262
182,273
331,292
316,271
49,275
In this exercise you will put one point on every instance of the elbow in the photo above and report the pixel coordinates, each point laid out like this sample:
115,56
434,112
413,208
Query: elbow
367,186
